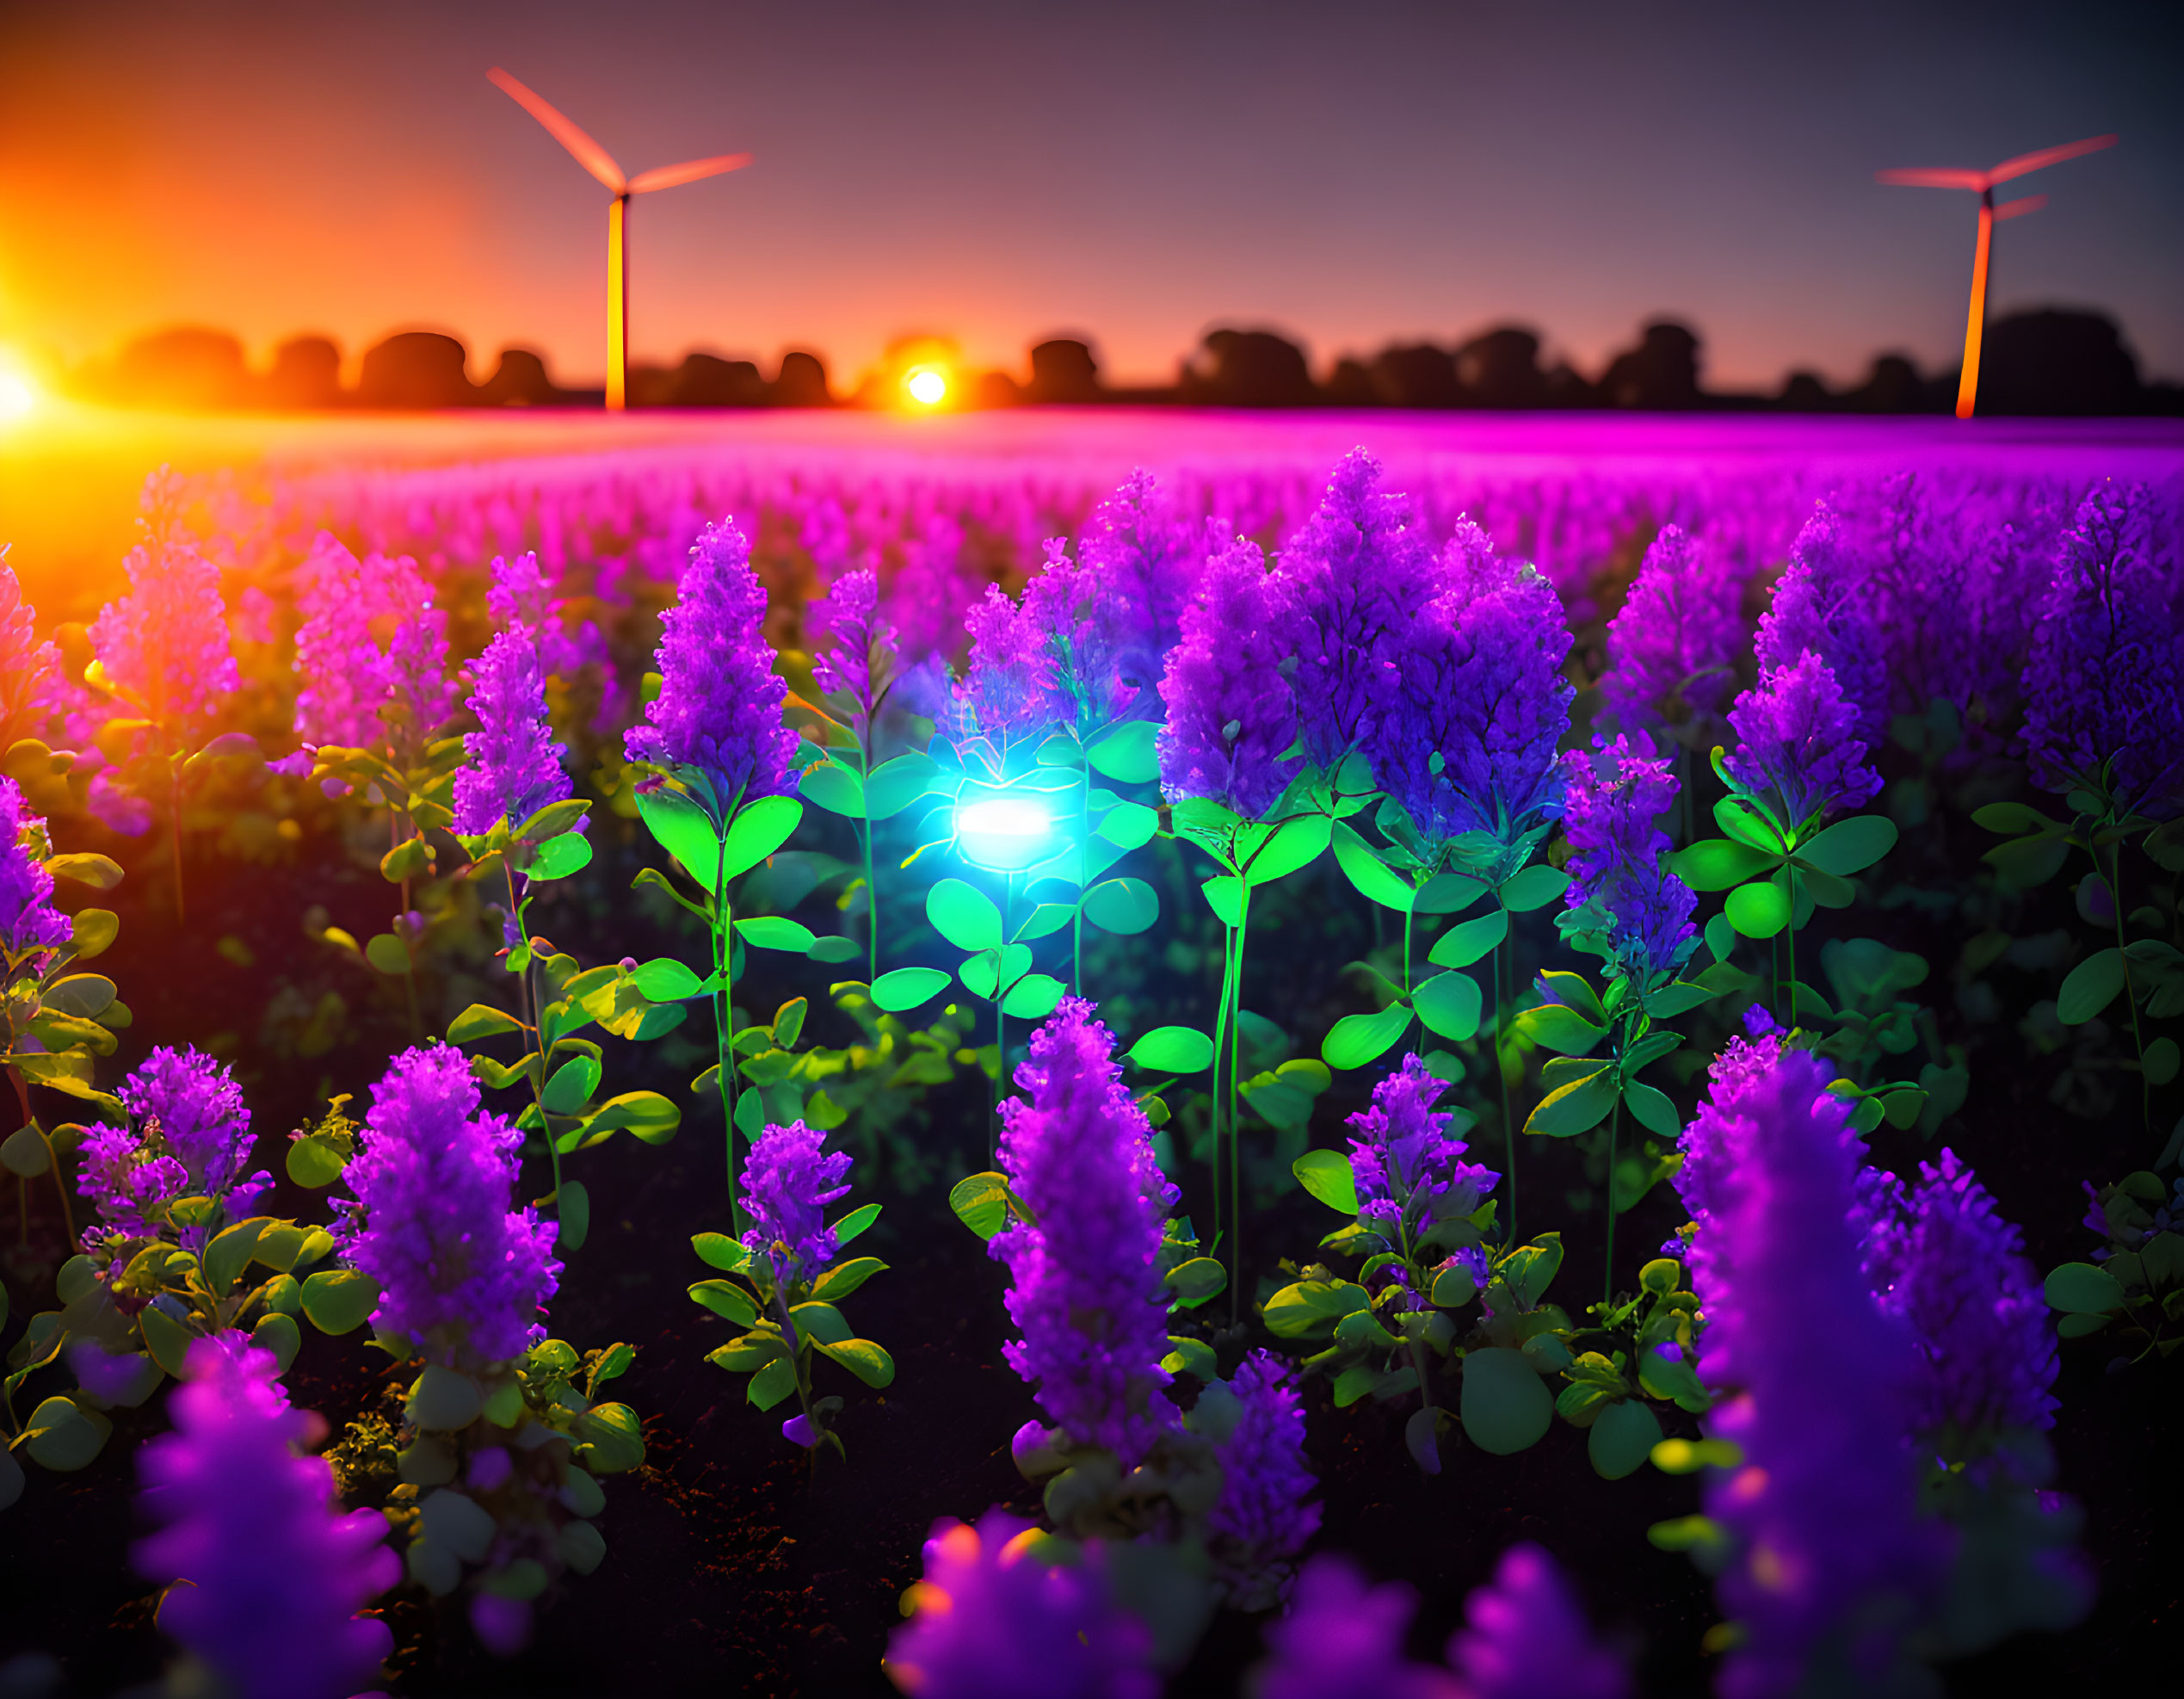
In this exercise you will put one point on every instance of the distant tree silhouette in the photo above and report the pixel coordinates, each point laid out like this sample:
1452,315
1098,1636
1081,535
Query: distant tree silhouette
1805,393
801,382
520,380
306,375
2058,359
1350,385
415,370
708,380
1419,375
992,391
188,366
1661,374
1249,369
1501,369
1893,386
1062,370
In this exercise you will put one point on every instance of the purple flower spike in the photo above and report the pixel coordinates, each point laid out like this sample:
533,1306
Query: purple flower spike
1006,696
994,1623
1820,604
1359,570
1262,1521
1797,748
523,594
850,611
200,1113
1342,1637
269,1576
165,644
720,705
514,763
1405,1166
2104,678
1143,557
341,674
1480,703
1942,1257
1671,647
1231,712
1619,887
29,669
1527,1636
788,1181
461,1274
1831,1558
28,921
1083,1286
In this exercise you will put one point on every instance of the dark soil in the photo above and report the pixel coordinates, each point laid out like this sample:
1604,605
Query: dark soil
732,1568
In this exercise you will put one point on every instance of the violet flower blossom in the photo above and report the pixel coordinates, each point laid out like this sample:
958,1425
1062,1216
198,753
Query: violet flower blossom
1832,1562
1084,1286
1143,557
420,696
514,765
1798,747
1360,571
1262,1521
1671,647
2103,680
1620,888
994,1623
720,706
1342,1637
1404,1167
1526,1636
1231,709
520,593
165,644
342,673
461,1274
29,922
202,1121
1820,604
1006,694
1084,683
1480,701
29,669
788,1179
268,1576
1941,1256
850,611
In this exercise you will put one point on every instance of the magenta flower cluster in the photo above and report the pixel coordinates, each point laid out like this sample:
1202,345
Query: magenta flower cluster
789,1178
515,767
1672,646
1403,1164
28,921
1231,707
1620,883
1524,1634
267,1575
1084,1288
165,644
1797,746
1822,604
1263,1519
191,1137
462,1275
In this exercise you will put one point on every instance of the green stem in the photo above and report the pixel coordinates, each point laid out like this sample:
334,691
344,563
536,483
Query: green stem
1508,1117
724,1013
1409,914
1220,1050
2131,994
1236,1127
1790,933
1000,1023
1607,1278
797,1364
52,1162
526,1002
1083,878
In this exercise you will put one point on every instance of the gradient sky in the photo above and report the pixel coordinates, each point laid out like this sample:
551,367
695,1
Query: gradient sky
1348,173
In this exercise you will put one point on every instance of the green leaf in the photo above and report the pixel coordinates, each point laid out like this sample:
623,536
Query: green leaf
101,873
1469,941
87,995
727,1299
1651,1109
1717,863
1294,843
1454,1286
894,785
2091,986
1575,992
1622,1438
1327,1177
1576,1108
1197,1281
1449,893
1357,1039
981,1202
388,954
1224,896
1177,1050
1188,1356
558,857
2013,818
855,1222
684,831
2023,863
169,1341
664,979
1505,1407
1556,1027
2162,1059
572,1086
647,1116
1758,910
867,1362
1129,754
1449,1004
773,932
843,1278
1128,826
1532,887
94,931
229,1253
572,1212
481,1021
1678,999
339,1301
760,829
964,915
1747,825
1043,922
719,1252
64,1435
832,787
905,988
2084,1288
552,821
615,1441
1373,878
1123,906
1310,1308
1850,846
314,1161
1033,997
23,1152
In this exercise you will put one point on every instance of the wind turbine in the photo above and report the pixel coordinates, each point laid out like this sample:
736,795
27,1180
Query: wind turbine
1983,184
600,163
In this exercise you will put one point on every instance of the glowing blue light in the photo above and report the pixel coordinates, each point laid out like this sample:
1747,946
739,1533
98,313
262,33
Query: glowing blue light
1005,833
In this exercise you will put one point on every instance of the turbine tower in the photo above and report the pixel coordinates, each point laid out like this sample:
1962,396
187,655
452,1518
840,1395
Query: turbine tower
600,163
1982,183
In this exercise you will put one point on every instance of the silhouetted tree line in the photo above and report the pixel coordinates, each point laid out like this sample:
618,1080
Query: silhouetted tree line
2052,361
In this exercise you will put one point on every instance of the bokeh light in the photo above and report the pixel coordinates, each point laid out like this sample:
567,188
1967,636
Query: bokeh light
927,385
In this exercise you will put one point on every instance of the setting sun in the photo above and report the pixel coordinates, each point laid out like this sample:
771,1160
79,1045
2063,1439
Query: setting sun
926,386
18,397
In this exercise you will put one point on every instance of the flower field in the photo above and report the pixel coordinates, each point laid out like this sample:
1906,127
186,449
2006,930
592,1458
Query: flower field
1098,1055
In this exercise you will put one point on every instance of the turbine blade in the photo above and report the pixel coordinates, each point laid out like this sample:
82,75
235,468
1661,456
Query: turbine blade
2046,156
1939,178
671,176
2017,209
587,153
